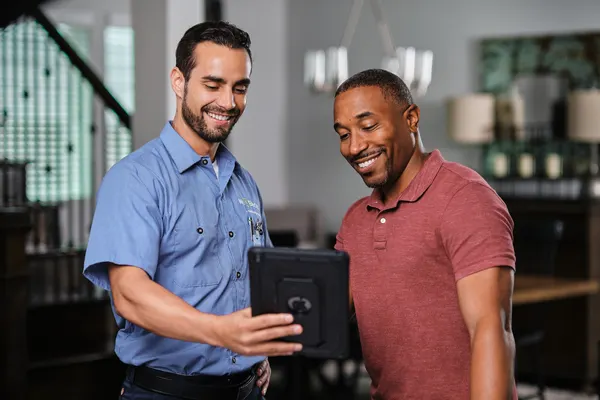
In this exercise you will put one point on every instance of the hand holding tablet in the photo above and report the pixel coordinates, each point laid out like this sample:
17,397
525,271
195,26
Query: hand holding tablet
261,335
312,285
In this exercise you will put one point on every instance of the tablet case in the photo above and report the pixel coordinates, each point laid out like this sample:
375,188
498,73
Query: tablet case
312,285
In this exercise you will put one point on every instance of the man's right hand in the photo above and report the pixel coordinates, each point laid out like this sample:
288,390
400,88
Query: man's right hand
244,334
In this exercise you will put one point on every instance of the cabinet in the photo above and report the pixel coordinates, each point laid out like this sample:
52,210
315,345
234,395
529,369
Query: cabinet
572,326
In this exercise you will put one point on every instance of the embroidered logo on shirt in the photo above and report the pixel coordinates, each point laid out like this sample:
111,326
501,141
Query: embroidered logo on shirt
248,203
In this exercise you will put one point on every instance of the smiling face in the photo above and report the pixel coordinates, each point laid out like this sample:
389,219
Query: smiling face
213,98
376,134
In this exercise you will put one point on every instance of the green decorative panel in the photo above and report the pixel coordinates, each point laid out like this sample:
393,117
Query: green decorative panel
573,56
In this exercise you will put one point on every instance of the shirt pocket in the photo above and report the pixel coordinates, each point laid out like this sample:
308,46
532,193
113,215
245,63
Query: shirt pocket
197,249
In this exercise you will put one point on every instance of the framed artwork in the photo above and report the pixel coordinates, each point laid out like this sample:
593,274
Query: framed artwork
574,57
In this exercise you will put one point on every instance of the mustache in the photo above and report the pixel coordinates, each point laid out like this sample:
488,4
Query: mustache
233,112
366,153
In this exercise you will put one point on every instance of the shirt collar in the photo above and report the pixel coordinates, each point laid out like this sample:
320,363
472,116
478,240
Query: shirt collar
184,156
417,187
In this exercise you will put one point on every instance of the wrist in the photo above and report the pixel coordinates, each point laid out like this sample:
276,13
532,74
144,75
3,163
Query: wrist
210,330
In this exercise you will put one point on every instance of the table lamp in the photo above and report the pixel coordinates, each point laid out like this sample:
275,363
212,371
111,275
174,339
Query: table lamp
471,118
583,122
470,121
583,119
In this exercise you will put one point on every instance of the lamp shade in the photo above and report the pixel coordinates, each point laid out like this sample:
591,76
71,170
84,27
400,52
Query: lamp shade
471,118
583,115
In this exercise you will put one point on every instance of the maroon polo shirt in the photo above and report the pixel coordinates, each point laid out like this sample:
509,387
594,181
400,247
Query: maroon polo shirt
405,260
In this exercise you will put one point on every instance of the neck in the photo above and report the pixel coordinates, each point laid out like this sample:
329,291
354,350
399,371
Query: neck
411,170
199,145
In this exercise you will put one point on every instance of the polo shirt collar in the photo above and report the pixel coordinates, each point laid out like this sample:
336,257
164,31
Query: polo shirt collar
417,187
184,156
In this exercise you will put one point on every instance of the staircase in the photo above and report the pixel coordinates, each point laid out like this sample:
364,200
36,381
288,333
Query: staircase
60,130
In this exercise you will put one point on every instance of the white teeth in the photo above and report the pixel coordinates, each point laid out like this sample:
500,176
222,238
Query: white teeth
219,117
367,163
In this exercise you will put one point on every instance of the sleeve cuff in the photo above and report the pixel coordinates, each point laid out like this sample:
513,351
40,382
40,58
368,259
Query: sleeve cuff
483,265
98,275
97,272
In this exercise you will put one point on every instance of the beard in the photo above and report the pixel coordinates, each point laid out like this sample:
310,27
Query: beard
379,182
198,124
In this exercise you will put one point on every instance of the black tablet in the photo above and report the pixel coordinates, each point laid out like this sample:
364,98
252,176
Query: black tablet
312,285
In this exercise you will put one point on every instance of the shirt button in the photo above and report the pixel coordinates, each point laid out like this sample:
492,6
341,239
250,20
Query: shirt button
204,162
230,234
238,275
200,231
234,360
382,220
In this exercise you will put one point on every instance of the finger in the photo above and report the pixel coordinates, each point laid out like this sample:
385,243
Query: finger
269,334
260,382
264,366
266,386
270,320
275,349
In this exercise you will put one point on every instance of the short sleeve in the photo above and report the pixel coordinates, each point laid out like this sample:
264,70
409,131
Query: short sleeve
477,231
339,242
127,224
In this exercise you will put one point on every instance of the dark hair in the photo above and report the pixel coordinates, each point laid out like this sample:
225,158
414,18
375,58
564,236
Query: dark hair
218,32
390,84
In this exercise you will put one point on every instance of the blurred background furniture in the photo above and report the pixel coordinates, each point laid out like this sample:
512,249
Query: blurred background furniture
536,242
560,282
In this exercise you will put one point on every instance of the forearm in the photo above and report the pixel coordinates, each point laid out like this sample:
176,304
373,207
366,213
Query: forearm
152,307
492,362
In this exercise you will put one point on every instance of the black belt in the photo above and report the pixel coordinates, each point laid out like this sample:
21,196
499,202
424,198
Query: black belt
194,387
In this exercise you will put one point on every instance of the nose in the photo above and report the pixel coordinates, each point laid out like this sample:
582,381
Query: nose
357,145
226,99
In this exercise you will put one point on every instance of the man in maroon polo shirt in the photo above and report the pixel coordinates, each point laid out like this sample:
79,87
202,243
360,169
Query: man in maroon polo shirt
431,255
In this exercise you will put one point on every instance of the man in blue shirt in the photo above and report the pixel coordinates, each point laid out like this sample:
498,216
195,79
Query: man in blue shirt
173,223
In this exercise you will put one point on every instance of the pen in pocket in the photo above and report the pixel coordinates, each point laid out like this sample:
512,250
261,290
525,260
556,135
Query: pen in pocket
251,223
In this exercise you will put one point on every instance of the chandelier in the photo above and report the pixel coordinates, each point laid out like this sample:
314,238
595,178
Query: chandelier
325,70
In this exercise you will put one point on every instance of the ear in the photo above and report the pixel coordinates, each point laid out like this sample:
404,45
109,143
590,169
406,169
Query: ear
177,82
413,115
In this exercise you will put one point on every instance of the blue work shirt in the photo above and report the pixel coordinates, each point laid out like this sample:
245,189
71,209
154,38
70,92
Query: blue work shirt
163,209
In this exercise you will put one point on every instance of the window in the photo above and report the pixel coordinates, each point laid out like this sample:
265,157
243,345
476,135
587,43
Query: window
47,111
119,79
47,107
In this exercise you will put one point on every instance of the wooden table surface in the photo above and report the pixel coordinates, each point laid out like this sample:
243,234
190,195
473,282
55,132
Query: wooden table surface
537,289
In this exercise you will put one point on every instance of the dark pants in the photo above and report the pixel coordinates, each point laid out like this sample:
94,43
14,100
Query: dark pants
133,392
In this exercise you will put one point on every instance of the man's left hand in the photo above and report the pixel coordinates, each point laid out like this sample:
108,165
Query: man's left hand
264,376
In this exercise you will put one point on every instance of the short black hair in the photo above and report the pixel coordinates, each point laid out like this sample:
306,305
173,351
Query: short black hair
218,32
390,84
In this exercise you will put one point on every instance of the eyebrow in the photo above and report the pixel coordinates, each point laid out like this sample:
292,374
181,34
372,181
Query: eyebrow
360,116
364,115
216,79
